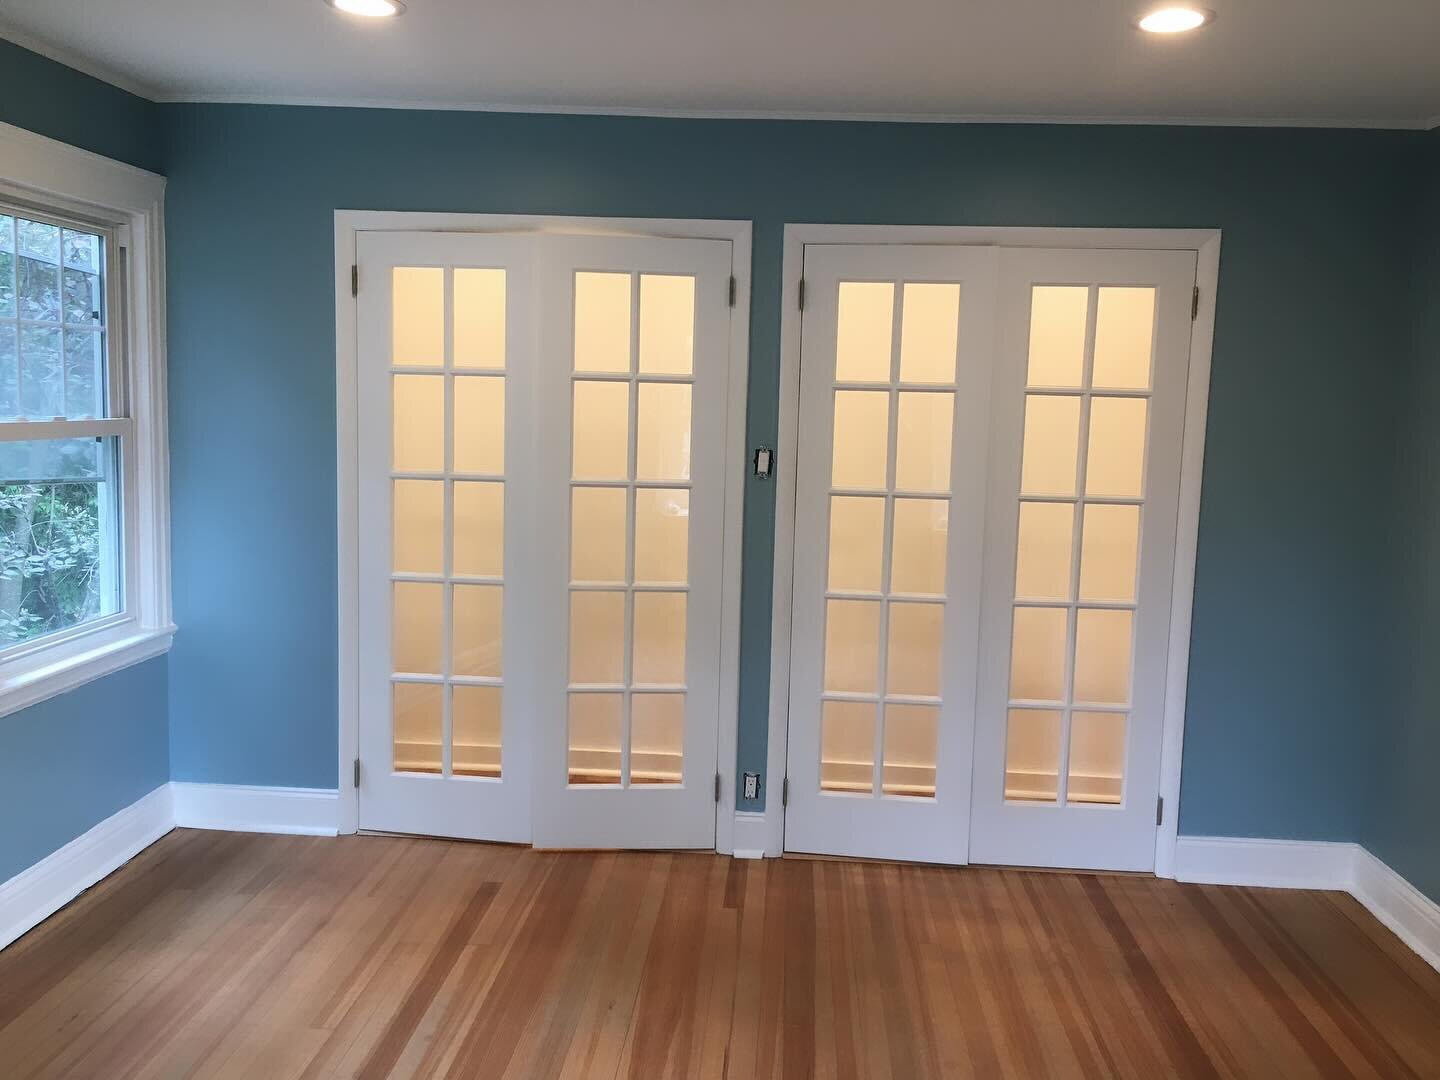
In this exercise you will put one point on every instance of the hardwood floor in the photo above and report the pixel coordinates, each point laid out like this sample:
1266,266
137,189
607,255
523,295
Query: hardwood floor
229,955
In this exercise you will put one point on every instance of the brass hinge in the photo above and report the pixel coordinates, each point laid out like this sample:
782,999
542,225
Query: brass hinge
1159,810
785,792
802,294
1195,304
732,290
717,787
357,772
354,280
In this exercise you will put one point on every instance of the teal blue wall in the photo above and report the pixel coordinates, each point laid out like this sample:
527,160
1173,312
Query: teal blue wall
74,760
1291,603
1401,823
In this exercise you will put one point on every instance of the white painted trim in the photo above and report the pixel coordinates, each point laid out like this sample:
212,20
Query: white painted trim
751,834
37,892
248,808
1411,915
130,202
1206,243
348,224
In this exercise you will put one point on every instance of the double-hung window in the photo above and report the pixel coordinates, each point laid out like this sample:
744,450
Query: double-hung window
83,522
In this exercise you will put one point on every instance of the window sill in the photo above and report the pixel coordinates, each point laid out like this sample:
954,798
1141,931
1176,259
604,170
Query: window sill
46,674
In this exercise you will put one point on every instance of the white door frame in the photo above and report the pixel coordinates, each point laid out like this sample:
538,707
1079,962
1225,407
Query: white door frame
1206,244
349,223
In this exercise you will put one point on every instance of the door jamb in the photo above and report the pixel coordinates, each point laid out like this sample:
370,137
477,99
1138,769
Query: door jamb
1206,244
348,224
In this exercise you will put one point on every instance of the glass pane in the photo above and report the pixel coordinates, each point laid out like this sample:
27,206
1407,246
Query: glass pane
847,746
419,423
1052,440
42,373
918,547
861,446
475,721
84,372
1037,657
1109,552
863,331
1102,657
657,744
602,322
662,441
418,625
39,239
659,656
59,536
418,516
1044,551
479,425
667,324
7,267
662,536
922,450
595,721
909,751
597,534
1057,334
418,326
80,250
913,656
1124,335
857,539
479,529
597,637
417,718
601,449
1115,465
852,645
1032,755
9,370
1097,757
929,333
476,636
82,299
39,289
479,318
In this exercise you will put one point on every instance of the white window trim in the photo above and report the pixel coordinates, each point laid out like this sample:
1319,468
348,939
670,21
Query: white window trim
53,174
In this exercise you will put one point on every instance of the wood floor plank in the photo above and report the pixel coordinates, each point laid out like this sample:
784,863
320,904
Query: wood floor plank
223,955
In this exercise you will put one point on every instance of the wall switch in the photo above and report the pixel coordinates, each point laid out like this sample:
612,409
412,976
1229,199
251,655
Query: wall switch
752,785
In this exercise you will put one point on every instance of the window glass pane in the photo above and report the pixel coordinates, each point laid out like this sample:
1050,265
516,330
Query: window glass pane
39,283
602,322
417,716
667,324
1037,659
913,657
1102,656
929,332
479,318
909,746
9,370
601,447
1042,561
1097,757
659,652
597,534
1051,446
81,250
1032,755
1057,334
597,637
1109,551
479,425
922,449
42,373
861,445
84,372
418,316
657,746
1124,333
419,421
857,538
863,331
847,746
59,536
662,536
476,638
479,529
662,438
852,645
475,713
7,267
1115,465
417,628
418,515
595,723
918,548
82,298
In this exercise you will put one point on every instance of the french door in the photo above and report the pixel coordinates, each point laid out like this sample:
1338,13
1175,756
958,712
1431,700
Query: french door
988,480
542,425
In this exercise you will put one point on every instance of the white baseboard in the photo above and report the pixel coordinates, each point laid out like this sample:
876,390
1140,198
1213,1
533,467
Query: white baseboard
36,893
750,834
1306,864
247,808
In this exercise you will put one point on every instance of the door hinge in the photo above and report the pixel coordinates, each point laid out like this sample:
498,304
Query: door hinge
785,792
802,294
357,772
1159,810
732,290
1195,304
717,787
354,280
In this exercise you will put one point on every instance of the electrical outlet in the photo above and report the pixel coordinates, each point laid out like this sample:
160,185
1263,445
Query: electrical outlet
752,785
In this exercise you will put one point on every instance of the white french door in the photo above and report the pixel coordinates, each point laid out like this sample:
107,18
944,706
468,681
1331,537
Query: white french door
542,424
1088,418
987,490
447,478
895,375
635,359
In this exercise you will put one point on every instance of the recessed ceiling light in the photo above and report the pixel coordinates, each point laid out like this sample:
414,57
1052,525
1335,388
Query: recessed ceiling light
1174,20
373,9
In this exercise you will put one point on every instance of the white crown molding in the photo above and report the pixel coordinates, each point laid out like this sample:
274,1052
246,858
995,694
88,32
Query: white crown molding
250,808
36,893
78,61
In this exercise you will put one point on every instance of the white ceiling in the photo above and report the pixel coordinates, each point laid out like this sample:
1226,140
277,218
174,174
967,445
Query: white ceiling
1361,63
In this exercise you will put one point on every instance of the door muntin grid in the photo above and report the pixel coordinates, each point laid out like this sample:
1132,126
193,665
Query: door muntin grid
1080,509
447,508
893,405
631,405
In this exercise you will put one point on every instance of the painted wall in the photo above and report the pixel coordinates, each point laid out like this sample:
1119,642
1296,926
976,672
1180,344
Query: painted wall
70,762
1310,342
1400,822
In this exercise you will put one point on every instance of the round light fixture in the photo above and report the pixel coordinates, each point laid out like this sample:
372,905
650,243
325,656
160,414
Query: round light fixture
1174,20
371,9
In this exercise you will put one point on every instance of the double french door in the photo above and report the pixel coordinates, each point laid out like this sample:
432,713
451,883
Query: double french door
987,494
542,424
